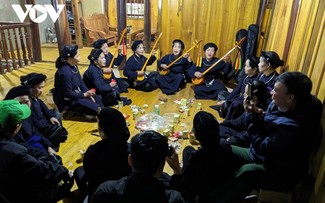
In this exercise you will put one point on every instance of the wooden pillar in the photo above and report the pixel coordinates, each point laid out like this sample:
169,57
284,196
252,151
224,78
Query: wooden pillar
121,23
121,16
76,20
62,26
106,8
36,40
147,26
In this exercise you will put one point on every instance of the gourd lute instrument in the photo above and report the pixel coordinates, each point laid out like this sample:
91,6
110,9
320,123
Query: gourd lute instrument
199,81
166,71
109,75
140,78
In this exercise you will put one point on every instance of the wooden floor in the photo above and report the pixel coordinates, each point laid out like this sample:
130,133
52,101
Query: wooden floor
80,136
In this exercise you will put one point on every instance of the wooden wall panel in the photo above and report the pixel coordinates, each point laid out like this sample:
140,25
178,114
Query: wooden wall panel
209,20
318,77
302,35
307,55
277,35
112,12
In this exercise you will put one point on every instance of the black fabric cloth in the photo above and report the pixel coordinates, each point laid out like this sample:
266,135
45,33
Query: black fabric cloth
32,79
206,169
93,78
99,43
136,188
233,106
17,91
105,160
235,130
281,148
37,144
23,176
135,44
69,90
134,64
176,78
269,80
41,116
213,79
122,85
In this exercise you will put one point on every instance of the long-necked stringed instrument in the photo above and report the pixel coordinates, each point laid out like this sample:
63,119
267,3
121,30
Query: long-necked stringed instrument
199,81
109,75
140,78
166,71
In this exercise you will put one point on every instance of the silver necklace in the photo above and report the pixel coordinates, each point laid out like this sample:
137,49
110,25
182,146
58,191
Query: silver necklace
269,79
207,64
139,62
76,71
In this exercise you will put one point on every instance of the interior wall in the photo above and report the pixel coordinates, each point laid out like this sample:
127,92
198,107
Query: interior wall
90,7
48,23
135,23
207,20
307,55
7,13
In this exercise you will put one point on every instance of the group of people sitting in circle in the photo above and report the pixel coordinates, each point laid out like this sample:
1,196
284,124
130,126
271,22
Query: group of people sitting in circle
100,87
270,128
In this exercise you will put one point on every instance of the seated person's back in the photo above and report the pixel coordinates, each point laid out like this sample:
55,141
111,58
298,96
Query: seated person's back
209,167
107,159
148,152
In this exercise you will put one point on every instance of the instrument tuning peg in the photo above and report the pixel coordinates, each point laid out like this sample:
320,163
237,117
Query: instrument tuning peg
196,43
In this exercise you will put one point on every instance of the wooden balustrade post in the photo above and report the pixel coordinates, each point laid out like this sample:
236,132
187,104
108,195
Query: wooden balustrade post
22,44
35,41
12,51
29,44
1,69
20,61
77,27
5,50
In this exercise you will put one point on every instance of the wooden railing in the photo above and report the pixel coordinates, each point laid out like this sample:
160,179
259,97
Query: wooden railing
15,46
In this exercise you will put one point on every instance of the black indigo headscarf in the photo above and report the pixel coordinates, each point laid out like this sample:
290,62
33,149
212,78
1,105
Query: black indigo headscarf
32,79
136,44
113,124
99,43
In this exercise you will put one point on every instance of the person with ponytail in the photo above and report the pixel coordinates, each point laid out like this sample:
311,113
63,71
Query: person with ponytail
269,62
230,105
